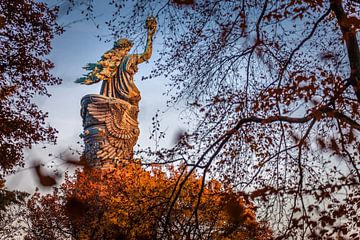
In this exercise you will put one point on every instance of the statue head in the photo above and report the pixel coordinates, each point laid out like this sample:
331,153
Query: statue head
123,43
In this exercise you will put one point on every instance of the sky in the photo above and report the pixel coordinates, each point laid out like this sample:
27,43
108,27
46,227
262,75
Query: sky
77,46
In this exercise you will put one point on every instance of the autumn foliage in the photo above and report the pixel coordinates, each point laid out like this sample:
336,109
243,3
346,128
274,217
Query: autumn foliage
26,30
272,96
133,203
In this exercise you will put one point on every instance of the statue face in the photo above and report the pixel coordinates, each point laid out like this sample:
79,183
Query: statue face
123,51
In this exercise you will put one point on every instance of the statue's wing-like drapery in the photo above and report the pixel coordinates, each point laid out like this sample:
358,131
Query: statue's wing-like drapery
102,70
121,128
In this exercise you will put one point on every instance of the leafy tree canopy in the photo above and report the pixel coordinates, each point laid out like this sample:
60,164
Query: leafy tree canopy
272,90
26,30
132,203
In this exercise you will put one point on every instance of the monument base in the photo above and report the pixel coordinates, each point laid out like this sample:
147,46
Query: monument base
110,130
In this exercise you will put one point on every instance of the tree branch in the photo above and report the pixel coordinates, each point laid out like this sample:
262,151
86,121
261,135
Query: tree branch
349,35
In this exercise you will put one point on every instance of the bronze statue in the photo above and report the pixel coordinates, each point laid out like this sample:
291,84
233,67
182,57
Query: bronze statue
110,119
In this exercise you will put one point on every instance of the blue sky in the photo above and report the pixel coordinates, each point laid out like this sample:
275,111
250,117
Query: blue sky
71,51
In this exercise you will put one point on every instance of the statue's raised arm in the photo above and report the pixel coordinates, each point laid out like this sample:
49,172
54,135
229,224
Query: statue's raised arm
151,26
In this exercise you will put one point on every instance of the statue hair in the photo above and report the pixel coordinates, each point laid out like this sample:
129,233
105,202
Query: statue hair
123,43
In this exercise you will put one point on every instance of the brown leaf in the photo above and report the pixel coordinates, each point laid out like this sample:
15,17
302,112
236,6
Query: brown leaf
183,2
45,180
321,143
2,21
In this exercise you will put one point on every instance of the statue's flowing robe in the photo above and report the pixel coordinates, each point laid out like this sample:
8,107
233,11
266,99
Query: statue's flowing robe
122,85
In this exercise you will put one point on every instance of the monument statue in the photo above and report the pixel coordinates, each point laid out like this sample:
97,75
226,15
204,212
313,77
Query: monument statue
110,118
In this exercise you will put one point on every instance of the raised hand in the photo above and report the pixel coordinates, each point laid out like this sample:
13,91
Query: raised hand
151,24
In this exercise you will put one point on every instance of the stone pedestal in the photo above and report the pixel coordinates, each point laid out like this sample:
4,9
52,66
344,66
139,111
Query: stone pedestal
110,130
